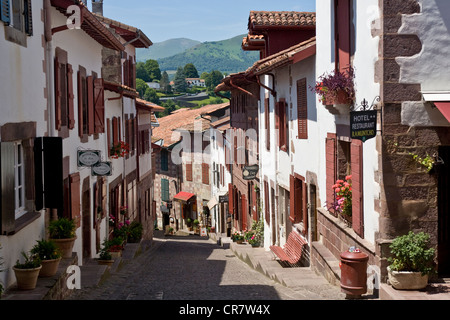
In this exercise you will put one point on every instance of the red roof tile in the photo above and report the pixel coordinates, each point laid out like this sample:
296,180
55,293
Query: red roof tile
281,18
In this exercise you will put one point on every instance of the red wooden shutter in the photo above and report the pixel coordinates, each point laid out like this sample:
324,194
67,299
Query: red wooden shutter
75,199
115,133
230,199
205,173
357,187
189,171
81,93
58,94
91,112
342,18
292,198
244,206
330,152
99,106
96,204
70,97
108,135
266,202
302,109
305,206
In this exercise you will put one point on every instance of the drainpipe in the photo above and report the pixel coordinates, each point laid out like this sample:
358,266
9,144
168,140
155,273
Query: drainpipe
49,70
274,93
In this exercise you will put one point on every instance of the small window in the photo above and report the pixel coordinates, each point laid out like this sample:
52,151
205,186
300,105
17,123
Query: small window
19,180
164,160
165,194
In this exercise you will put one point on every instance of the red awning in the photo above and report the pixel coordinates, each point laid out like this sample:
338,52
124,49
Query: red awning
444,108
184,196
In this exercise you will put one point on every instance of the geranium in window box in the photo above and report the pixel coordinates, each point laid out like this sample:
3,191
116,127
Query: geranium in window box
343,191
120,150
336,88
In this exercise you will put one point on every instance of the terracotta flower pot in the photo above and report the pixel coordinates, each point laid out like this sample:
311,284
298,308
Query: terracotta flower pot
49,268
65,246
26,278
105,262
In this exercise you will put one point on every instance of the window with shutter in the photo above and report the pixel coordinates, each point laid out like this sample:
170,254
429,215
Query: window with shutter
99,106
302,109
7,184
230,199
82,102
205,173
343,34
244,206
5,11
266,202
75,198
58,94
188,171
164,160
70,98
281,124
165,195
90,105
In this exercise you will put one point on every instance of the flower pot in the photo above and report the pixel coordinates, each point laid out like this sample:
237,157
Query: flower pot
115,254
26,278
49,268
406,280
239,241
65,246
341,98
105,262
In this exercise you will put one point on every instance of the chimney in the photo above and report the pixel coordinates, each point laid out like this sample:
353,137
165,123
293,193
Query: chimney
97,7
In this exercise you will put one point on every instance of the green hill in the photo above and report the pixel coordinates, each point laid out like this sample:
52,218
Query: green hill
165,49
226,56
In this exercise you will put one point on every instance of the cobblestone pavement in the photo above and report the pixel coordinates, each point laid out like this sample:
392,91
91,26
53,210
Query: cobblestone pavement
190,268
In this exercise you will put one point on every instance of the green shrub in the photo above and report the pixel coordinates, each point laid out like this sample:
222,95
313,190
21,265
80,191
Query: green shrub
46,250
135,232
412,252
62,228
32,261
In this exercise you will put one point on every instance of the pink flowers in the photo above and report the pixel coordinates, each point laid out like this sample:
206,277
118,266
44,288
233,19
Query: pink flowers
343,190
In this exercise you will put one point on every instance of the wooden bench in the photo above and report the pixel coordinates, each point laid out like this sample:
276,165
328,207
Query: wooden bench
292,251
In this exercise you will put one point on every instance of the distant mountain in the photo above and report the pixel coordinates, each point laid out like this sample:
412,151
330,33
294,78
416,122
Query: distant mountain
226,56
165,49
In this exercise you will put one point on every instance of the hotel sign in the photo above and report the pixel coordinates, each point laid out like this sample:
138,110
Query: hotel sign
88,158
250,173
363,125
102,169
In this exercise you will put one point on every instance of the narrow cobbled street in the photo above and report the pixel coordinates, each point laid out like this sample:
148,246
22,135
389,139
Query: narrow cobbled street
192,268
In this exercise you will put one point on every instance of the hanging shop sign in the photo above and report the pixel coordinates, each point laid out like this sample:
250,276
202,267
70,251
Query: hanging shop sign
363,125
223,199
88,158
102,169
249,173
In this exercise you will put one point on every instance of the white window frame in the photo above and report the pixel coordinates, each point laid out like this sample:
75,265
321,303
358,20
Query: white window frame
19,180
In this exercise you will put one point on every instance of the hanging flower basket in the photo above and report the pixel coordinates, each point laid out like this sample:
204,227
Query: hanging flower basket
336,91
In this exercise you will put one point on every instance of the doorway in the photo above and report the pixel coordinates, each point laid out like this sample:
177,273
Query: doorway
86,216
444,213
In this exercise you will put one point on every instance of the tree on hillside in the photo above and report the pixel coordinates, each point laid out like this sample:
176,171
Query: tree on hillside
151,95
141,87
190,71
180,80
213,79
165,83
141,72
153,70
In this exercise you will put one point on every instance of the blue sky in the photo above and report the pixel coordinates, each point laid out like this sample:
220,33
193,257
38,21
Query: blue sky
200,20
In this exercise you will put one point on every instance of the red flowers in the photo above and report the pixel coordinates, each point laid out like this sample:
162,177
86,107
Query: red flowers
120,150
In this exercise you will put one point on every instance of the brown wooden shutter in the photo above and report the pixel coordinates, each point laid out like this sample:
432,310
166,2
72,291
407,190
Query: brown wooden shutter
342,18
75,199
230,199
115,133
266,202
292,207
357,187
58,94
305,206
189,171
205,173
91,111
70,97
302,109
108,135
80,80
244,206
28,14
99,106
330,153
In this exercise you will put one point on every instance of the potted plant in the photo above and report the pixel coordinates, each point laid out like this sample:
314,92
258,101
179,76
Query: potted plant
115,247
105,257
343,191
27,272
412,261
135,230
254,241
120,150
62,232
237,237
196,223
336,89
50,256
